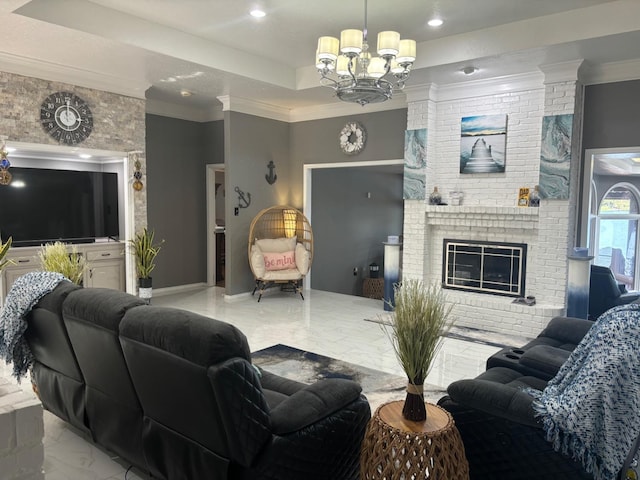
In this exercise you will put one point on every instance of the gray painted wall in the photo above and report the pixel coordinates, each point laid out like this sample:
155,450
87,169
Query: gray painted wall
611,120
611,115
316,141
177,154
178,151
250,142
349,227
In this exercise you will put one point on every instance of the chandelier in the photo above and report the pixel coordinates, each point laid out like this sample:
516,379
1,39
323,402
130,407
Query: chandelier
347,66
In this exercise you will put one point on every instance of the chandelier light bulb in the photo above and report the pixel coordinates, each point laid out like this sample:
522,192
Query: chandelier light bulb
351,41
342,66
328,48
388,43
406,51
377,67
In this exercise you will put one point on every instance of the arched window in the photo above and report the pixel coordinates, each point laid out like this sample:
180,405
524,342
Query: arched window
616,243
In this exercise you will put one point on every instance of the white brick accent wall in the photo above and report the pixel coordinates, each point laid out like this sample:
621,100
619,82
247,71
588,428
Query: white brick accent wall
21,434
489,211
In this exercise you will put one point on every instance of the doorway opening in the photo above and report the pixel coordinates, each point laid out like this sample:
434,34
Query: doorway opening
611,211
216,225
352,207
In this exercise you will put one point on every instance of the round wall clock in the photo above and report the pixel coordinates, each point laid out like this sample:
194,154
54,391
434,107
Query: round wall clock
352,138
66,117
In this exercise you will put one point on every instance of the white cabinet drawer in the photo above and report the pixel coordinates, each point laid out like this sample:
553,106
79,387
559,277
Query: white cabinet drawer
96,255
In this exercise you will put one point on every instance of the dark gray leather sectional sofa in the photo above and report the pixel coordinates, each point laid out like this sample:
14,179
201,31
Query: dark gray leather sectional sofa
175,394
503,438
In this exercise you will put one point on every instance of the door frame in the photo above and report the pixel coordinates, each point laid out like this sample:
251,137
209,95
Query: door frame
211,170
307,181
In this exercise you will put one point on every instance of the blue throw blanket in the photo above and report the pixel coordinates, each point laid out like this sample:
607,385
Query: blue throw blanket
591,409
26,291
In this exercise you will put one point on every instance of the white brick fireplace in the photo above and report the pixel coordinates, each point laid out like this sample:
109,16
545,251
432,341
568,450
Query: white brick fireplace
489,211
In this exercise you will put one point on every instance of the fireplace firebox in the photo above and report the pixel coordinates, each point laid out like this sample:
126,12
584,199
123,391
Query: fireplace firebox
496,268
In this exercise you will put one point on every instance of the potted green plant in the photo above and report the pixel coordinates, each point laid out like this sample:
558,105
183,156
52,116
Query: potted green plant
4,249
145,252
55,257
420,318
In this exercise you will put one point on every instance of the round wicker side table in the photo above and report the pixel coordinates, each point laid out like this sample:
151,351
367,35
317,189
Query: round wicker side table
394,448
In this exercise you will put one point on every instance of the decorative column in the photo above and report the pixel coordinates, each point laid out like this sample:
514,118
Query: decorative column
391,273
561,124
578,285
421,113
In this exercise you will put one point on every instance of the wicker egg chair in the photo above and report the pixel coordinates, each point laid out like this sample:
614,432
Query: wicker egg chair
280,249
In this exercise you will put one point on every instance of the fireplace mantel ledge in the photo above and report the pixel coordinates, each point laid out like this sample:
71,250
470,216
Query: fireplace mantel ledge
448,210
478,216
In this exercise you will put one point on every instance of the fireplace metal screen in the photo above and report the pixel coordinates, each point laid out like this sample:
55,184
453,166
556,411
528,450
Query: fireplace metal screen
496,268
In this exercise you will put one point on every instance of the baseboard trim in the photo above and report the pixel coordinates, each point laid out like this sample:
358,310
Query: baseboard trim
158,292
237,296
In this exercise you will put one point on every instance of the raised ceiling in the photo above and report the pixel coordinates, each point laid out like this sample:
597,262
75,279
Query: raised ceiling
155,48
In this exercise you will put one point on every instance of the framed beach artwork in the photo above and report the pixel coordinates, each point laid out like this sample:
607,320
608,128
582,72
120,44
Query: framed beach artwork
483,142
415,164
555,156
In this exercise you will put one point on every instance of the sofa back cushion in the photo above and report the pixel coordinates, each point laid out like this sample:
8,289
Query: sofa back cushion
47,335
277,245
92,317
168,352
55,372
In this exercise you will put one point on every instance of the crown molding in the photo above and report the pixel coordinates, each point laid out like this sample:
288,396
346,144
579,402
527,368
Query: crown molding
181,112
611,72
562,72
253,107
421,93
477,88
73,76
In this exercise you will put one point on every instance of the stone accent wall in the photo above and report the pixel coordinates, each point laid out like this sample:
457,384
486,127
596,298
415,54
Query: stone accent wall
119,121
21,434
489,211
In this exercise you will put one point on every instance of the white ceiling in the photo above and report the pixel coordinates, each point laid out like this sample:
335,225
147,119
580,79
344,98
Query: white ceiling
155,48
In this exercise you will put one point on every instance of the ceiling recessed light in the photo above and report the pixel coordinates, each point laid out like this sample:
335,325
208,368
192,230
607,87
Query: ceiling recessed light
435,22
85,155
470,70
185,93
257,13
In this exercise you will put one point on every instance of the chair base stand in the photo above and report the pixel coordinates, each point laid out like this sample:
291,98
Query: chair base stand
293,286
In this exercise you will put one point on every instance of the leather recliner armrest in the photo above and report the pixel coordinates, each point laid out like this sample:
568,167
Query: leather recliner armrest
545,358
567,329
506,400
312,404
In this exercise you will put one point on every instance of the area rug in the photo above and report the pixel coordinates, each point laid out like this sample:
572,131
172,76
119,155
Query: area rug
308,367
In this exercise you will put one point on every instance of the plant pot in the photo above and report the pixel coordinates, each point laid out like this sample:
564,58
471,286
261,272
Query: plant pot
414,408
145,290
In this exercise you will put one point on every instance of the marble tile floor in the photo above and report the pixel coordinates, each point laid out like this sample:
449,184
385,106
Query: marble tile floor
326,323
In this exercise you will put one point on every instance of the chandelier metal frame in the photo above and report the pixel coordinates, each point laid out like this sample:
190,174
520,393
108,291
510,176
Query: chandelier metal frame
357,82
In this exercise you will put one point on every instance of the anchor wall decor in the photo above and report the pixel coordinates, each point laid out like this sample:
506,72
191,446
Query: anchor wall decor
244,199
271,177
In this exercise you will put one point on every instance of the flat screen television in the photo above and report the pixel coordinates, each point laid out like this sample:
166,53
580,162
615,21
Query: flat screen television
44,205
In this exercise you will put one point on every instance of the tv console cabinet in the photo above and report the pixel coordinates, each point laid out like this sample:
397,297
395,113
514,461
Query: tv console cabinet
105,265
